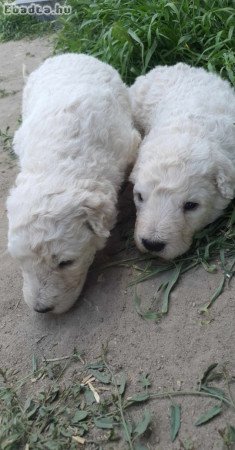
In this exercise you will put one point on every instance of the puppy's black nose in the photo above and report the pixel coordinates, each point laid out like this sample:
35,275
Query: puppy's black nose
43,309
153,246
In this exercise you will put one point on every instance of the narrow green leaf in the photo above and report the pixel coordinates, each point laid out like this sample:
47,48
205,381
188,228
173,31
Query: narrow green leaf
138,398
214,297
135,37
207,372
210,268
34,363
95,365
174,8
137,303
215,391
104,422
209,415
173,280
121,383
231,434
127,433
143,424
147,315
151,315
175,421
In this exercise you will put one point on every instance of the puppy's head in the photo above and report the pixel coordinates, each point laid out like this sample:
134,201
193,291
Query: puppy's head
176,195
54,237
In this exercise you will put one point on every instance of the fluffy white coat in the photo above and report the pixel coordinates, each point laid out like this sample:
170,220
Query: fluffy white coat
74,145
184,176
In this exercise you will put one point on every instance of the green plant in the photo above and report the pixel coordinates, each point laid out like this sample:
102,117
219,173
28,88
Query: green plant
93,409
134,36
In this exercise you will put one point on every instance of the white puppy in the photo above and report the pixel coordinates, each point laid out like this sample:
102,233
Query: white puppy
75,144
184,176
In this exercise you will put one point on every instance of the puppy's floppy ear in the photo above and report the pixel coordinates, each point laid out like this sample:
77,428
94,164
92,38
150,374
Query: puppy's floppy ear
133,174
101,213
135,143
225,176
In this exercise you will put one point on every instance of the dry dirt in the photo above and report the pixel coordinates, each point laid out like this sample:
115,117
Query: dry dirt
178,349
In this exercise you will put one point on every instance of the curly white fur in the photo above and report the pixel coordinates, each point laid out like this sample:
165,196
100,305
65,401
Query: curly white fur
188,155
75,144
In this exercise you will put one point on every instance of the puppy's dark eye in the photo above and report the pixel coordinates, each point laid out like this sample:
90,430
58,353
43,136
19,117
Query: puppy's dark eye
67,263
189,206
139,196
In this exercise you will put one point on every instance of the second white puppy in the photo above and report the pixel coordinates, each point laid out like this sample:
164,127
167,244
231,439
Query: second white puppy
185,173
75,144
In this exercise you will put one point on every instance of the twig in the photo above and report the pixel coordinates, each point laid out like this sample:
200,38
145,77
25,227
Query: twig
178,394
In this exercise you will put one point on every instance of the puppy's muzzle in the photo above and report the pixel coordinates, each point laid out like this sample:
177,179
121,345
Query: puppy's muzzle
43,309
153,246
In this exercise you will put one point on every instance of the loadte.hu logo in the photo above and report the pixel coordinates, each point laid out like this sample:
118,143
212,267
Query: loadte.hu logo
36,9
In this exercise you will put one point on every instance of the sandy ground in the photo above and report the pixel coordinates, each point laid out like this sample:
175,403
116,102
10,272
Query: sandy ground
175,351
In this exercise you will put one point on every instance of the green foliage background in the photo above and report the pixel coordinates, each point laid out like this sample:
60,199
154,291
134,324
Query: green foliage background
136,35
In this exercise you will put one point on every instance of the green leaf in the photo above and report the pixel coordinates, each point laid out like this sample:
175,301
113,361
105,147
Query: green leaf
103,377
30,408
209,267
228,435
104,422
121,382
174,8
209,415
79,415
214,391
173,280
144,381
231,434
128,433
95,365
207,372
135,37
138,398
175,421
151,315
137,303
34,363
143,424
147,315
89,396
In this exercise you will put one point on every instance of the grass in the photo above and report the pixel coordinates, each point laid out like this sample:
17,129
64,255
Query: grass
136,36
94,408
16,26
213,249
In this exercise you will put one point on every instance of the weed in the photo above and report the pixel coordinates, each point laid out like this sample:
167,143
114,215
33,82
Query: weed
93,409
